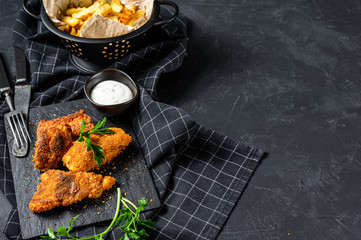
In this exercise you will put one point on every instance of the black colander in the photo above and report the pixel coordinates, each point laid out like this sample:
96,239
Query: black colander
92,54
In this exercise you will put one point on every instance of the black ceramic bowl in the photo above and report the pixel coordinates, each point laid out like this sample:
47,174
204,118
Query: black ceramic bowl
116,75
92,54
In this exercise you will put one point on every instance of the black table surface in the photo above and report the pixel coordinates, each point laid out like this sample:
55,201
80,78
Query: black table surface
283,76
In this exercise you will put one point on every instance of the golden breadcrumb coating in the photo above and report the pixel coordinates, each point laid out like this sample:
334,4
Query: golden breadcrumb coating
79,159
59,188
74,120
55,137
51,144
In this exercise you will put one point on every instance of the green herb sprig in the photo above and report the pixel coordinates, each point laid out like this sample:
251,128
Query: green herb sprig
131,220
98,153
129,216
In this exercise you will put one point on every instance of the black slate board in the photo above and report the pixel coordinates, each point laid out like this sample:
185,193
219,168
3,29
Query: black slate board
129,169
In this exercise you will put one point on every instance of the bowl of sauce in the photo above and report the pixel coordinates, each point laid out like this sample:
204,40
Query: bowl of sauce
111,91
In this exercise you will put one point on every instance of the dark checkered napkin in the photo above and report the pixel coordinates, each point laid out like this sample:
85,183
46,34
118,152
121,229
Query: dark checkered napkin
198,173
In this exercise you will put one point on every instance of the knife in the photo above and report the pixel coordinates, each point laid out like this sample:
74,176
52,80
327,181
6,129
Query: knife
22,90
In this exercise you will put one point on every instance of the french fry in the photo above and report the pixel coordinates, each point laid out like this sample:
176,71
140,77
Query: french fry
136,16
117,6
127,14
79,25
70,11
76,17
70,20
103,10
73,31
83,14
139,13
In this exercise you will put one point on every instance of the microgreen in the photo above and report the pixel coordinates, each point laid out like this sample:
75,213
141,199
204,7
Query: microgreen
97,150
132,227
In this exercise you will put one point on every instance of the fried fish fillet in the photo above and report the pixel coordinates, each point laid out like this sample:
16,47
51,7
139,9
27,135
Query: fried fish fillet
59,188
55,137
74,120
79,159
52,143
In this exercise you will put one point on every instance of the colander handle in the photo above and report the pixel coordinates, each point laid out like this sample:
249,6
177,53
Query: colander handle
30,13
175,14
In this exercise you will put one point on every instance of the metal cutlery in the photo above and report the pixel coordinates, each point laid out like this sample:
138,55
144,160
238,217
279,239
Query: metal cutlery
15,118
22,89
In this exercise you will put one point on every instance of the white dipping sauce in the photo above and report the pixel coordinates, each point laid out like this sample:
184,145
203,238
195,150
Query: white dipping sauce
111,92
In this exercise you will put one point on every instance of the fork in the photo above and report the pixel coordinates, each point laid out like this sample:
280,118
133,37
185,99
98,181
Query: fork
14,117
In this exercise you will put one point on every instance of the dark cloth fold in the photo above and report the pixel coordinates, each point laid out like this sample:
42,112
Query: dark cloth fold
198,173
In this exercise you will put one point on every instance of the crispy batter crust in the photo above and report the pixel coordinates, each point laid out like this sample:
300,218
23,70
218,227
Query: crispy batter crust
59,188
52,143
79,159
55,137
73,120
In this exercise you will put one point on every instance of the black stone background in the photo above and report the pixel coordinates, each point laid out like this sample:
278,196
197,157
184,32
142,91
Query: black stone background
283,76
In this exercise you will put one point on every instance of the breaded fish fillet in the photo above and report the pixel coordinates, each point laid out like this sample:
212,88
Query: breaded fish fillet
59,188
79,159
74,120
51,144
55,137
